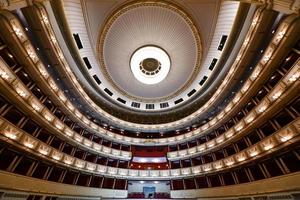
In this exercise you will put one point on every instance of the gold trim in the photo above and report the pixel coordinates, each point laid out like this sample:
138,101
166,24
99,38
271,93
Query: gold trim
136,4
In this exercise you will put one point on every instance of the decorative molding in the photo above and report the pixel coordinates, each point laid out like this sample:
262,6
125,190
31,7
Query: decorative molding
4,4
145,3
285,6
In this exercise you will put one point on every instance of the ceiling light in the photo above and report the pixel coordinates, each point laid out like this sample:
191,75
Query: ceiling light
36,106
44,152
68,162
267,147
229,163
150,65
286,138
11,134
29,145
276,95
241,158
56,157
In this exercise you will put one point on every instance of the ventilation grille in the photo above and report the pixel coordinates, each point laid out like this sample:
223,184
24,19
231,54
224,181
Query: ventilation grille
203,80
121,100
164,105
87,62
213,63
178,101
222,42
78,41
108,92
97,79
135,105
191,93
149,106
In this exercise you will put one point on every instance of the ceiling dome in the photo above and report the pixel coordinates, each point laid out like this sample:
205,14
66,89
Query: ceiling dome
160,25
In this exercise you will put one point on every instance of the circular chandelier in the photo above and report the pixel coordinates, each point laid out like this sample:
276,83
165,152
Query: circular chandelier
150,64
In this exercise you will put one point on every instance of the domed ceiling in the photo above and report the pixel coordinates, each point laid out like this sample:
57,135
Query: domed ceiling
144,62
137,25
118,29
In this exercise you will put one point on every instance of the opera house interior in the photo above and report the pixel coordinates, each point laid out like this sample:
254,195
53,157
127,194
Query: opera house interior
149,99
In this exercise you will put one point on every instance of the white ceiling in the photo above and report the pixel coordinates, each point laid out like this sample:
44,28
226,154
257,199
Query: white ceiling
150,26
203,12
144,26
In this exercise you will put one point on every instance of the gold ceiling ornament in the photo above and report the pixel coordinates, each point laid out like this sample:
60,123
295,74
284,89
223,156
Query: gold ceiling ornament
148,3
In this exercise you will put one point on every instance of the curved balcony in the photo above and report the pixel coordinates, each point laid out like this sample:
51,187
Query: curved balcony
121,138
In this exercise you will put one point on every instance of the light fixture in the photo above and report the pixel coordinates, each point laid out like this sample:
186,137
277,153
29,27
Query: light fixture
229,163
196,170
229,133
91,167
150,65
45,19
211,144
5,72
228,107
256,72
68,132
31,53
53,39
36,106
254,153
269,146
294,77
70,106
78,114
69,162
48,117
43,70
4,75
239,127
277,94
87,142
286,138
207,168
11,134
79,164
262,108
254,22
250,118
28,144
21,92
62,96
237,98
56,157
220,139
42,151
78,138
18,31
53,85
241,158
281,33
219,166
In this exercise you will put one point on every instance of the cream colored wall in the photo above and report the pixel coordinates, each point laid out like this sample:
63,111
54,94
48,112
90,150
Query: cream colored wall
286,183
